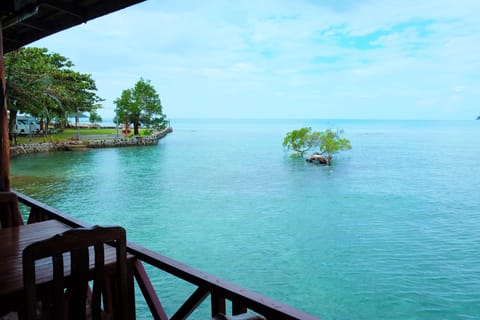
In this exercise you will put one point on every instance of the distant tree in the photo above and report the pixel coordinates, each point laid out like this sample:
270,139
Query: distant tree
94,117
329,143
140,106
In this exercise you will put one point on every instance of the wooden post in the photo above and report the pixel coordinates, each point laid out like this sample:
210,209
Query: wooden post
5,143
218,305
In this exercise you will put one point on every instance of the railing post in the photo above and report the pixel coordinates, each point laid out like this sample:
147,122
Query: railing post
4,140
37,215
218,305
238,309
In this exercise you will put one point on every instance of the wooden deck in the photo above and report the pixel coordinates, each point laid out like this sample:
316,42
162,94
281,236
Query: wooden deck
207,286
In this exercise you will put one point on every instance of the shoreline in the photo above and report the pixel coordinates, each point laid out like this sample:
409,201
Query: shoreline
79,145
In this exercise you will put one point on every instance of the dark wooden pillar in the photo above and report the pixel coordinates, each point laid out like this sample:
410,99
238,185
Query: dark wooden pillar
5,143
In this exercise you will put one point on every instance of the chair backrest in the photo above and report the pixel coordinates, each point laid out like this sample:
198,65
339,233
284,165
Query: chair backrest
9,213
79,244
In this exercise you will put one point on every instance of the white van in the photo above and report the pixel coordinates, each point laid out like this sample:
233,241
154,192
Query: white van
27,125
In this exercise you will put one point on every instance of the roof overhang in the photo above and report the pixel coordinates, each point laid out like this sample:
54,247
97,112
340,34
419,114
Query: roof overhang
25,21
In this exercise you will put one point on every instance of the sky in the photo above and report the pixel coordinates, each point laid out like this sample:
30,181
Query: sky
330,59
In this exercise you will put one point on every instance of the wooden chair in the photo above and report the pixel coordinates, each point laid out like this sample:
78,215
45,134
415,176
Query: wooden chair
9,213
68,290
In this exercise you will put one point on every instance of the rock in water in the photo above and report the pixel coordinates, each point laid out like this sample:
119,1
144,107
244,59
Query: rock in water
319,159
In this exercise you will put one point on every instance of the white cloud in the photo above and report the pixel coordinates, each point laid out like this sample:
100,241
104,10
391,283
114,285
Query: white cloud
261,57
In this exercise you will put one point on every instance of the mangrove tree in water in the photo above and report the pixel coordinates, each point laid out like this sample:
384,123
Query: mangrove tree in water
328,142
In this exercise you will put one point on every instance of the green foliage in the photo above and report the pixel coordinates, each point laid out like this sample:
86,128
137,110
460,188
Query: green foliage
43,84
329,142
140,106
94,117
300,141
147,132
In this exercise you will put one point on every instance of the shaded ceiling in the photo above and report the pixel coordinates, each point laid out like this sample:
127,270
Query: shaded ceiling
25,21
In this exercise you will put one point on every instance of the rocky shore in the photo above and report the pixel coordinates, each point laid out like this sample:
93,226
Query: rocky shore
89,144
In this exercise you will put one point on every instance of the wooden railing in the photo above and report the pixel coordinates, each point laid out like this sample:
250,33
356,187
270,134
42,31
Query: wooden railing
220,291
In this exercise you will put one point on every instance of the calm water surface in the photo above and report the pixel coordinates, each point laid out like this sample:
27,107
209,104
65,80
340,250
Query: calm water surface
390,231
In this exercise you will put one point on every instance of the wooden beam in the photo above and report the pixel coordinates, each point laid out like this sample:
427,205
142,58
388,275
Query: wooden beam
148,291
191,304
36,27
5,143
69,9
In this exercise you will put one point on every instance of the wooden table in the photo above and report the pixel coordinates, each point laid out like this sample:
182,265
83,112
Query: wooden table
12,243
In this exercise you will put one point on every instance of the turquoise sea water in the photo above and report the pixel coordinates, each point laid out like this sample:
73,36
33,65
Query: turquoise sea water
390,231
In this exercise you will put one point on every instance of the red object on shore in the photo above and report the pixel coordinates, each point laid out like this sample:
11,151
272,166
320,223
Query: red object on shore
126,129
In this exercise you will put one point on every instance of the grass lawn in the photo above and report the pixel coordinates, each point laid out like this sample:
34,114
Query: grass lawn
69,134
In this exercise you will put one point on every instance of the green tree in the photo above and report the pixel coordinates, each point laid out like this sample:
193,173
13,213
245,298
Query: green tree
75,93
94,117
301,141
44,85
329,142
140,106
